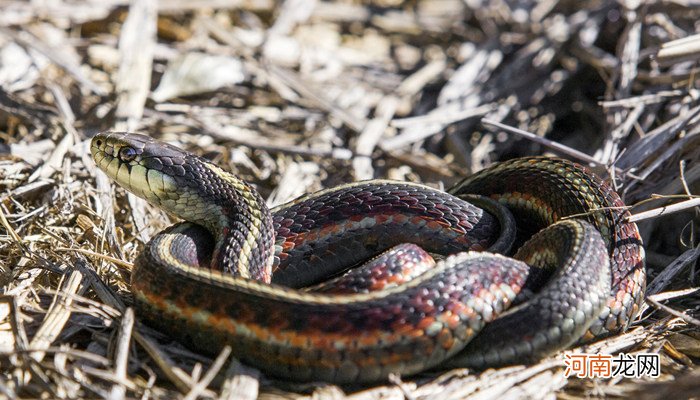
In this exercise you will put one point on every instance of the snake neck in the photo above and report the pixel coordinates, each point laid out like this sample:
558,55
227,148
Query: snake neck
232,211
240,221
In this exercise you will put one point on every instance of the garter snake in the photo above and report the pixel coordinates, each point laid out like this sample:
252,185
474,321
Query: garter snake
231,274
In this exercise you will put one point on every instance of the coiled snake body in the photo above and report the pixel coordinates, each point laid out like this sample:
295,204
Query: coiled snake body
231,274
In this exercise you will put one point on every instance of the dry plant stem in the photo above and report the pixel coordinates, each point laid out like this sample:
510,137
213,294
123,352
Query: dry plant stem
680,50
105,294
558,147
54,161
671,151
641,151
370,136
684,181
58,314
11,231
647,99
89,253
19,336
216,132
177,376
676,294
415,135
672,270
214,369
682,315
122,353
670,209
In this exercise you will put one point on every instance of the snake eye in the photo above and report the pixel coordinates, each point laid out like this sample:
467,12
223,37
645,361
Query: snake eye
127,154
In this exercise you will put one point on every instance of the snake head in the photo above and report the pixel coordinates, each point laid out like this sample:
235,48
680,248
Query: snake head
140,164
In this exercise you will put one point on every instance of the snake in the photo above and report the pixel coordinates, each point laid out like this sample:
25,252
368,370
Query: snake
237,273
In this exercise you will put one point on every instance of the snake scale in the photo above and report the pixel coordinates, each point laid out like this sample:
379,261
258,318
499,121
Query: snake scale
232,274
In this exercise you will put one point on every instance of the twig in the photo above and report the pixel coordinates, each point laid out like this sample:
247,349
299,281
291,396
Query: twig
370,136
11,231
210,375
229,133
105,257
58,314
640,152
675,294
664,278
122,354
74,353
685,317
442,118
645,99
545,142
671,209
677,51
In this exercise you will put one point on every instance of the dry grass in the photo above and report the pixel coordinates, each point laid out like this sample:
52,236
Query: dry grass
303,95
